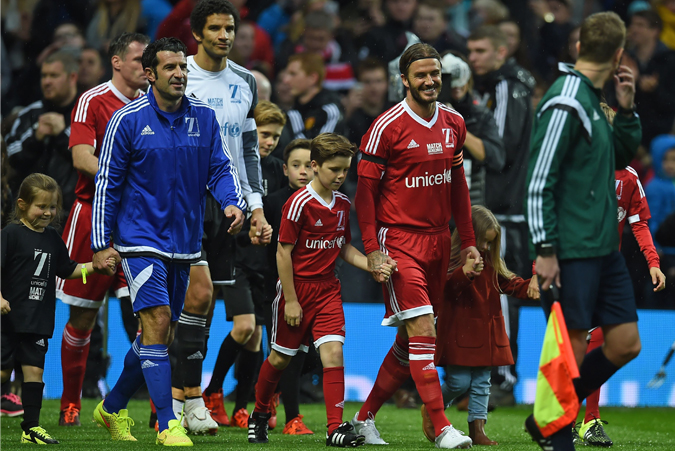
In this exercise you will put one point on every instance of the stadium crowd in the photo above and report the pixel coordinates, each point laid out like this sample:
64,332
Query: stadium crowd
292,71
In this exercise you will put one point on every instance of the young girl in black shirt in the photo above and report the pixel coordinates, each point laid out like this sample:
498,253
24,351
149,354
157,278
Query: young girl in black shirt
33,254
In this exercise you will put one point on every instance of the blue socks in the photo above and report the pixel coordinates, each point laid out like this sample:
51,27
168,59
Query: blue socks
157,373
149,364
129,381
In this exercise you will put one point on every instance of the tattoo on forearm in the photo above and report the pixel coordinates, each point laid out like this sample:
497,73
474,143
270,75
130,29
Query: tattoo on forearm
376,260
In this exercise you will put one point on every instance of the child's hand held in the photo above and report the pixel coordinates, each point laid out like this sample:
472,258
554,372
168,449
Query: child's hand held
392,263
469,264
5,308
533,288
387,270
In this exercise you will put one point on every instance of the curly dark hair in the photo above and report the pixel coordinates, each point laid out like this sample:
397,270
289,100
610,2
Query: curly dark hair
205,8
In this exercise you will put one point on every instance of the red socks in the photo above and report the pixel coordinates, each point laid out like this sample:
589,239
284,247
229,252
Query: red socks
394,371
74,352
334,395
264,388
593,400
423,372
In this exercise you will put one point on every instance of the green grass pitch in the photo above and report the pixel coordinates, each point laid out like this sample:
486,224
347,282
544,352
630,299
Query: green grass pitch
631,429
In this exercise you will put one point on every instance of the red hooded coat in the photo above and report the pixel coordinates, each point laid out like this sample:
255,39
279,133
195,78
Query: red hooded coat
470,325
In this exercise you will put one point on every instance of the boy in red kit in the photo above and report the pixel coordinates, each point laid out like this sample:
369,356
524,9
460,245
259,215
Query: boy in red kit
314,232
634,208
411,182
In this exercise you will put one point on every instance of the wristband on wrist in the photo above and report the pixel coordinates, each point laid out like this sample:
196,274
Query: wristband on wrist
85,273
545,249
625,111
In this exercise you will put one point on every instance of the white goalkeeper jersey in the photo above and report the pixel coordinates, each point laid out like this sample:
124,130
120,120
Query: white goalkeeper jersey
233,94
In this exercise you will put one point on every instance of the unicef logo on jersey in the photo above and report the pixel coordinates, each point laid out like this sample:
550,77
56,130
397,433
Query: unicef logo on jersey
233,130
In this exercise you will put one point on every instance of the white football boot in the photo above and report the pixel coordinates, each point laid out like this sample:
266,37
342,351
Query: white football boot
368,430
451,438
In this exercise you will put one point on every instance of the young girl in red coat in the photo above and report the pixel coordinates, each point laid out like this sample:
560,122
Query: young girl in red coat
470,328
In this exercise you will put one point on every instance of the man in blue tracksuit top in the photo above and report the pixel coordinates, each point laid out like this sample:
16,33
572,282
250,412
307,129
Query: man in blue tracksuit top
160,154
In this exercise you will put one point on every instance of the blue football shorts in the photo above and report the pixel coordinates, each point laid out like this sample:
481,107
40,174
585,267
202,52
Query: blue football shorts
154,282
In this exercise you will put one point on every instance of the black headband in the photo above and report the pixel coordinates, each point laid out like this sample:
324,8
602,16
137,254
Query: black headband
421,58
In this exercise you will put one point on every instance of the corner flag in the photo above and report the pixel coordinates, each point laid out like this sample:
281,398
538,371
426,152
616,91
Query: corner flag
556,403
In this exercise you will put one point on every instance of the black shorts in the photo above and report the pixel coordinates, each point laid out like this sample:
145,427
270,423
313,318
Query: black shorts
246,296
218,253
595,292
23,349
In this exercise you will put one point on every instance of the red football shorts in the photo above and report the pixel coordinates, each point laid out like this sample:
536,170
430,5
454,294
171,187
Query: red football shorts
322,317
77,235
416,289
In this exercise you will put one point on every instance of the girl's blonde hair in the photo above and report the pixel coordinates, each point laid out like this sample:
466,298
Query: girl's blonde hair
609,112
483,221
29,190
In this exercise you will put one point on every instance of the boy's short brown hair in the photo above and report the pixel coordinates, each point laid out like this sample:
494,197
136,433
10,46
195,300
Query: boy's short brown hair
330,145
300,143
601,35
311,63
267,113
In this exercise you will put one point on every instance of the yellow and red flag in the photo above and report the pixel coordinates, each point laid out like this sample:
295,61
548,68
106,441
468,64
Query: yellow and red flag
556,404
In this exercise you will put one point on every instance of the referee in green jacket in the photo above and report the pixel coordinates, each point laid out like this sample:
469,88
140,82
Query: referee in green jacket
571,206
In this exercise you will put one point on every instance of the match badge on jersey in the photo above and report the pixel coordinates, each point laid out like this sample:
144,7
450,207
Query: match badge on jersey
215,102
309,123
434,148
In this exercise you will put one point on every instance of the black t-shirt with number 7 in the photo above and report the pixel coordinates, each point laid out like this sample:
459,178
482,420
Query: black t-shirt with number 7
30,263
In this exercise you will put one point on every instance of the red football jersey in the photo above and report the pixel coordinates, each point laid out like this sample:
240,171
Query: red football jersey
88,121
413,158
631,198
317,229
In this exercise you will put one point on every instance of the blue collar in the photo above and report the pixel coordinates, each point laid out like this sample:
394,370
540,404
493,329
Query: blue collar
184,107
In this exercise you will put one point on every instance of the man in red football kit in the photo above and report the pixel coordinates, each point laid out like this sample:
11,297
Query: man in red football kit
88,124
314,231
411,182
